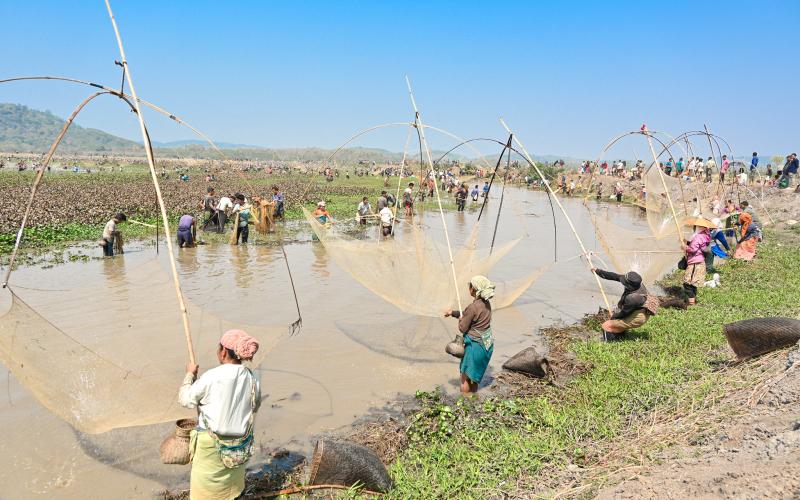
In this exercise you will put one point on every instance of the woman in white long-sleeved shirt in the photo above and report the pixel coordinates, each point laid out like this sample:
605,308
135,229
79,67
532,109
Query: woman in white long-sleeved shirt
227,398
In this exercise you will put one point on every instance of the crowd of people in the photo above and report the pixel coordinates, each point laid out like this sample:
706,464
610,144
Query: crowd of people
228,396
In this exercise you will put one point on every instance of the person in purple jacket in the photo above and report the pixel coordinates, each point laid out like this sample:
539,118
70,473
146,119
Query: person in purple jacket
695,274
187,231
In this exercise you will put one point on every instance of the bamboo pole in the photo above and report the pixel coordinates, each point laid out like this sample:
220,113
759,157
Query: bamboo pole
38,179
663,183
421,130
402,171
234,239
151,163
563,212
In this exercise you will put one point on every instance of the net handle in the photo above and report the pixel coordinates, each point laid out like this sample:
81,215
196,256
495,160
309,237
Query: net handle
421,130
151,163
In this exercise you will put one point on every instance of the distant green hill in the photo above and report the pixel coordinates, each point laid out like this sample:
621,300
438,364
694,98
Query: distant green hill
28,130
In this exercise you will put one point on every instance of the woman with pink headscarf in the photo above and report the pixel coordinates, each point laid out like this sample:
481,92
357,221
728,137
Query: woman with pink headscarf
227,398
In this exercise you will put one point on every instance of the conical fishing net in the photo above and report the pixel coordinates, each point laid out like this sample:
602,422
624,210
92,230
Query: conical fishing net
111,354
412,271
629,250
660,190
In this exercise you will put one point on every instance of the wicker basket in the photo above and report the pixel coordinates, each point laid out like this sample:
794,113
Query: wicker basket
175,448
753,337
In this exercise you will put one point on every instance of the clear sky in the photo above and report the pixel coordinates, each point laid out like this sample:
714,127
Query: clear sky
567,75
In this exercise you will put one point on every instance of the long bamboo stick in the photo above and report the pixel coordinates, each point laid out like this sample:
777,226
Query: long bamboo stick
663,183
151,163
38,179
421,129
566,216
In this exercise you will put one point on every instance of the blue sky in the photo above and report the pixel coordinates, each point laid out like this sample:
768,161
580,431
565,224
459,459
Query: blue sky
567,76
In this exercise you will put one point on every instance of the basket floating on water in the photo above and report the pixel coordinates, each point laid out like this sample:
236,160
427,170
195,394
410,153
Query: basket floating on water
175,448
757,336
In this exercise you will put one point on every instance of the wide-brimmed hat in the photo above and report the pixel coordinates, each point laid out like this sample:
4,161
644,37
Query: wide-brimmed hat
631,281
699,221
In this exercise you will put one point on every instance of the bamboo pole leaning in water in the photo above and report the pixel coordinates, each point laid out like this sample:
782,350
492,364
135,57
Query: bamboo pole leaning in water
564,212
421,130
151,163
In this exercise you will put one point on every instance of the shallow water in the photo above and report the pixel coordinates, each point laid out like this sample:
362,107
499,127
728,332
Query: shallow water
355,352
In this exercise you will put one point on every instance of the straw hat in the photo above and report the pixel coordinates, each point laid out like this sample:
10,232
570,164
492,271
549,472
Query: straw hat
699,221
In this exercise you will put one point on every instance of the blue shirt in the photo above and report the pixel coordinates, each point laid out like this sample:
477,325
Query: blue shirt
754,163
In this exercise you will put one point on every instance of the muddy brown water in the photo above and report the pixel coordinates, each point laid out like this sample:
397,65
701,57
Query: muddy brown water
354,355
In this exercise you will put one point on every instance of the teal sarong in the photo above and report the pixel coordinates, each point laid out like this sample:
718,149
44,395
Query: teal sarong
476,356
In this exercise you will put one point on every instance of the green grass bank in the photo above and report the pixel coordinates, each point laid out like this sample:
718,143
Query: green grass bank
492,446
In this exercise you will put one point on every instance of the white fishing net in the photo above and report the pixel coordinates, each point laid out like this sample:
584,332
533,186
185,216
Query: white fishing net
412,271
110,354
661,189
639,251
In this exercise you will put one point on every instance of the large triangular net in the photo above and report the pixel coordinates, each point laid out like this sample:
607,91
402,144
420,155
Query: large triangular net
412,270
110,354
638,251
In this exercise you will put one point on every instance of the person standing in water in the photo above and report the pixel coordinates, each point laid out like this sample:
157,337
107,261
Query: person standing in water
321,213
364,209
461,197
408,199
278,200
223,206
227,398
111,234
242,209
475,193
187,231
387,220
475,324
209,207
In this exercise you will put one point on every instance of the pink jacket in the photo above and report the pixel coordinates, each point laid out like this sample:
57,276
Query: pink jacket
694,251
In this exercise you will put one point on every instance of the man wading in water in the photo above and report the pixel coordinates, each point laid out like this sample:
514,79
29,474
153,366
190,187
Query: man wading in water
110,234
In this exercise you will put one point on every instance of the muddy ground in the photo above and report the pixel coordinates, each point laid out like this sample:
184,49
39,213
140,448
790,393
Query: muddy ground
753,455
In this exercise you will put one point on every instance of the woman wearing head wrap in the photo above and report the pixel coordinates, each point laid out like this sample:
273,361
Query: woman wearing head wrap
634,307
695,274
227,398
475,324
746,247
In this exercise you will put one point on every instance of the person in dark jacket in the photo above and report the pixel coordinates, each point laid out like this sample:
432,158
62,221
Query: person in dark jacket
634,307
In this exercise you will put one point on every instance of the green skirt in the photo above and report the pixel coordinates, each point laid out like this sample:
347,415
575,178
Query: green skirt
476,359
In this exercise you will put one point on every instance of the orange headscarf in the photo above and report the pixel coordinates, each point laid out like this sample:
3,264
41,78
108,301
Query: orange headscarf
745,220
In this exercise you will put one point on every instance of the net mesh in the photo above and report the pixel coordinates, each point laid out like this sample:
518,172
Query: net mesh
412,270
660,190
111,356
641,252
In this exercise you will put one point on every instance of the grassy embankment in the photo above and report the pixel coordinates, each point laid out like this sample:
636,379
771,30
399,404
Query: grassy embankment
465,449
